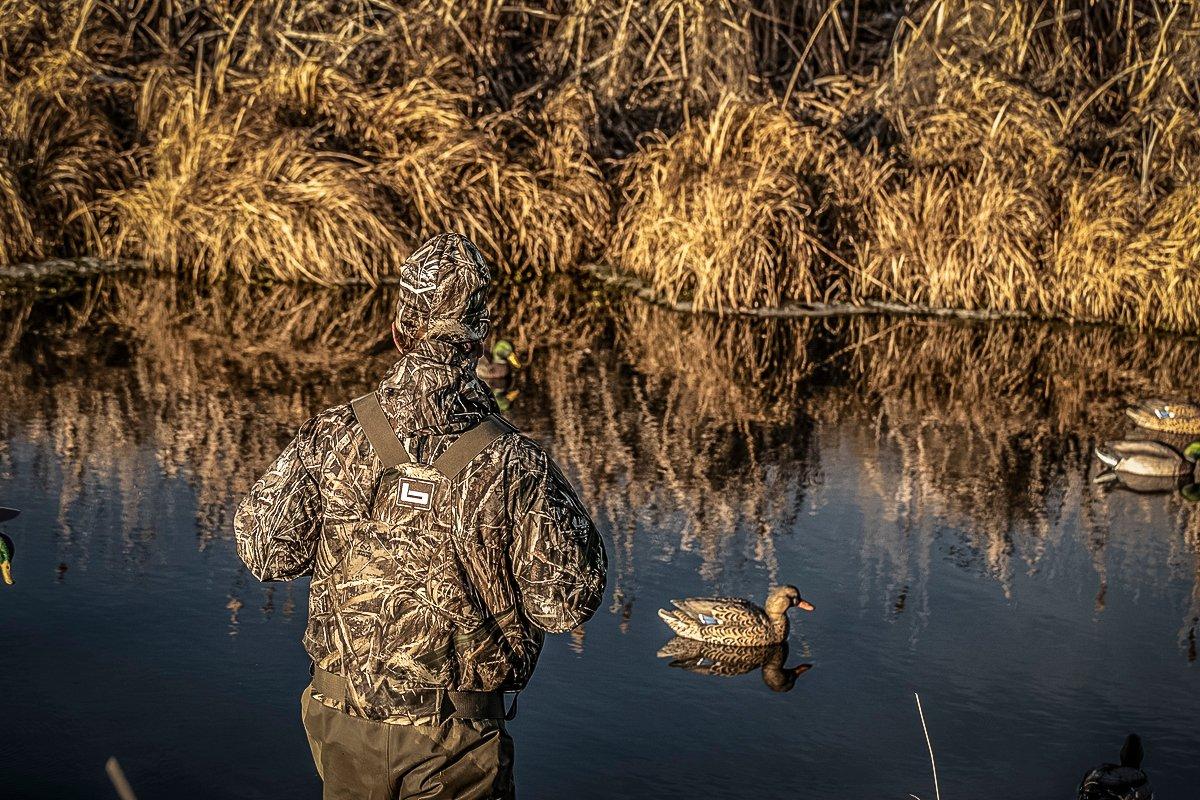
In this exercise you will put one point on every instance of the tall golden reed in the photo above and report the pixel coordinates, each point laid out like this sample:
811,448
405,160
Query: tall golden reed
1038,158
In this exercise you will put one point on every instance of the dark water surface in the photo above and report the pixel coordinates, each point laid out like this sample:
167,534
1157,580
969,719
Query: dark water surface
926,485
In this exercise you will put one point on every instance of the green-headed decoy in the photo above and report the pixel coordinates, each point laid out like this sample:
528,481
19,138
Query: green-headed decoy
6,557
733,621
502,361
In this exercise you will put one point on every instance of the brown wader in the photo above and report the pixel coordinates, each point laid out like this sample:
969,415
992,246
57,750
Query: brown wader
361,759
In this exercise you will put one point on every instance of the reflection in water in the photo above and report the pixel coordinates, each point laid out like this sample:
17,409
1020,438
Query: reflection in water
712,428
712,454
705,658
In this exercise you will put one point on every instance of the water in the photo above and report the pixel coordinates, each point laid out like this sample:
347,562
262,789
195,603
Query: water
926,485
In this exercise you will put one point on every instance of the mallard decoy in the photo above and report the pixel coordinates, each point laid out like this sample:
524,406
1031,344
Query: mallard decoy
6,546
6,557
502,361
1148,458
705,658
1124,781
1166,415
733,621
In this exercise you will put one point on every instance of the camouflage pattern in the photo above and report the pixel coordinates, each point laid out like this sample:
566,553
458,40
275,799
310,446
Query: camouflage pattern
445,282
456,596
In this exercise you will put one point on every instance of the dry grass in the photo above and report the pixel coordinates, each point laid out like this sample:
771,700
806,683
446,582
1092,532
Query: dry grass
58,153
999,109
1035,157
1100,215
728,211
521,184
248,195
662,60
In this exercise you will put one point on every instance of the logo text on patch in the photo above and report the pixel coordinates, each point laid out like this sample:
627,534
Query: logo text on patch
415,493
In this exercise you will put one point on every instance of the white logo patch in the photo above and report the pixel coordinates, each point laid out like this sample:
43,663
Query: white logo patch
415,493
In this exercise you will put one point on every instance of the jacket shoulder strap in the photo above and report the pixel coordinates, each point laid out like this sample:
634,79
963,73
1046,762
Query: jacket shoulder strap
383,439
465,448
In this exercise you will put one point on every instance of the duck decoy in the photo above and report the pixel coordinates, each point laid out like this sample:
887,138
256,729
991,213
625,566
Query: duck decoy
6,557
6,546
705,658
1143,484
499,365
1123,781
733,621
1166,415
1148,458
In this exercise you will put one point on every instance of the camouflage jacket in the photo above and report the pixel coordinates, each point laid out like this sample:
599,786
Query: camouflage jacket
458,596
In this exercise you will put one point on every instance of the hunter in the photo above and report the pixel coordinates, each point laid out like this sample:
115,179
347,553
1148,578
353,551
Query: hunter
442,544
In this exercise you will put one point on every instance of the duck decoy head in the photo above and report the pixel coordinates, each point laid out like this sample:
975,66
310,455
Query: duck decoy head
776,676
785,597
503,352
1132,752
1192,452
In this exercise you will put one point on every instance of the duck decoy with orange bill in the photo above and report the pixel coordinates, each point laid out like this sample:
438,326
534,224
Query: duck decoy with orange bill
734,621
1123,781
1172,416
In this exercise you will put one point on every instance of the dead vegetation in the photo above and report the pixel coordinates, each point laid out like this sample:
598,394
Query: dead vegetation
1033,157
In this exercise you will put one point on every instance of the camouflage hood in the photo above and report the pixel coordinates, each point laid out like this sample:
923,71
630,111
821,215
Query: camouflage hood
444,291
442,309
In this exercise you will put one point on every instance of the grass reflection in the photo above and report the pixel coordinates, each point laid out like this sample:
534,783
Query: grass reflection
720,432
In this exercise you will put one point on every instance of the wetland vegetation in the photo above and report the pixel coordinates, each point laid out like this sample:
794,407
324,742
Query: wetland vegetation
1019,157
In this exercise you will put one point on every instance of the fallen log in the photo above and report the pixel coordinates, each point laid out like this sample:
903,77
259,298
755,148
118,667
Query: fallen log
64,268
801,310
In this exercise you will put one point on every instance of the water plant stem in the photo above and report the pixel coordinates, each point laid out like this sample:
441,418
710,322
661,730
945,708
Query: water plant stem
117,776
932,763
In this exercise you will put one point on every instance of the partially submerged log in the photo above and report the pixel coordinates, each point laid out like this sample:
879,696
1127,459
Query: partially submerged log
64,268
637,287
